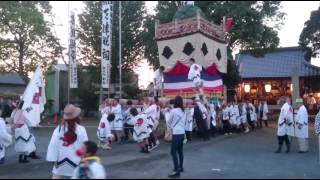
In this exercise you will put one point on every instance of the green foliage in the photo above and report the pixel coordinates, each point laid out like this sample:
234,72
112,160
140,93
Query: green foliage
86,91
187,11
250,29
132,35
25,36
232,78
310,35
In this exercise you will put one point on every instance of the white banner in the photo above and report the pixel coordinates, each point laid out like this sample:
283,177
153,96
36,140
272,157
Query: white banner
106,38
73,75
34,99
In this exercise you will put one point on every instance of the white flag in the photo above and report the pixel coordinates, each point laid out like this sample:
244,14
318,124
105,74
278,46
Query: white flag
73,74
106,42
34,99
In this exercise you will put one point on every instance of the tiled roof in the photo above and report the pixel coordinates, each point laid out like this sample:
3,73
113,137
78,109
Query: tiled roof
276,64
11,78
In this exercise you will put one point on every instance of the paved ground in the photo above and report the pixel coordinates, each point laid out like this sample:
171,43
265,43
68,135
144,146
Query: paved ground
235,156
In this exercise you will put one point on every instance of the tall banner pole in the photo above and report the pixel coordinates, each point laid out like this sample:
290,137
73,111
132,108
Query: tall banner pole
106,43
73,74
120,53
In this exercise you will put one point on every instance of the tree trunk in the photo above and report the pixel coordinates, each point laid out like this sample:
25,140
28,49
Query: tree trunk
21,65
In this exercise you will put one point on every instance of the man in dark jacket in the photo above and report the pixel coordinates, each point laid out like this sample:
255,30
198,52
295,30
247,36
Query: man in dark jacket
200,121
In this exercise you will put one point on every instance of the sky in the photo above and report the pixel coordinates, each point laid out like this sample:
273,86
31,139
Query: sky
297,13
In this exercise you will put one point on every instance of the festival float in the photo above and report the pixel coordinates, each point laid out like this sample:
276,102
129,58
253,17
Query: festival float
188,36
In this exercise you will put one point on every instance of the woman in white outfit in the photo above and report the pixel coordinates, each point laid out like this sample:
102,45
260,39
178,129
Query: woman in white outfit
177,124
24,140
66,139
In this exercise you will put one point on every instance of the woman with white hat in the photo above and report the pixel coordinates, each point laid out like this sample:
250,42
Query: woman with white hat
66,139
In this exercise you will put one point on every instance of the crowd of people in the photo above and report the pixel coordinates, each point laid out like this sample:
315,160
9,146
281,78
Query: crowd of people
73,155
139,120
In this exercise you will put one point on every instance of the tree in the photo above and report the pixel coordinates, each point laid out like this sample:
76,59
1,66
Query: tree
251,27
90,35
310,35
232,78
251,21
25,37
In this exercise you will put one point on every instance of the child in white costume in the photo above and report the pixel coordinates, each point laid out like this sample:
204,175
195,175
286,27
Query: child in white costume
104,132
5,138
90,166
66,139
195,76
141,130
105,107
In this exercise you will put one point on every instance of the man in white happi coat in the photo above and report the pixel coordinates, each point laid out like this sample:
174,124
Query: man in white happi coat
157,81
235,117
285,124
263,113
152,113
250,114
243,117
195,76
117,124
301,126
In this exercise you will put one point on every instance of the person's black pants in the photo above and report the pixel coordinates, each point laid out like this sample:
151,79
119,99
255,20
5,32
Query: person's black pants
177,151
213,130
266,123
251,123
152,139
127,129
226,126
188,135
261,121
285,139
203,129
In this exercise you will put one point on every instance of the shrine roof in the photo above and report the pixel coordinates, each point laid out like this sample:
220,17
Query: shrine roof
279,63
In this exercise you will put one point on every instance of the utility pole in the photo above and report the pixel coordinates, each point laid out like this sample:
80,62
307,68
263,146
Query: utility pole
120,53
68,91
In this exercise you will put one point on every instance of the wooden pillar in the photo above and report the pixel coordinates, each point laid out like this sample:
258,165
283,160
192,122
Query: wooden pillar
295,84
156,27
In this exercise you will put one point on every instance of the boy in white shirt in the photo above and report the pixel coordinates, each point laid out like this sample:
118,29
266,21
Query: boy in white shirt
90,166
141,131
104,131
195,76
